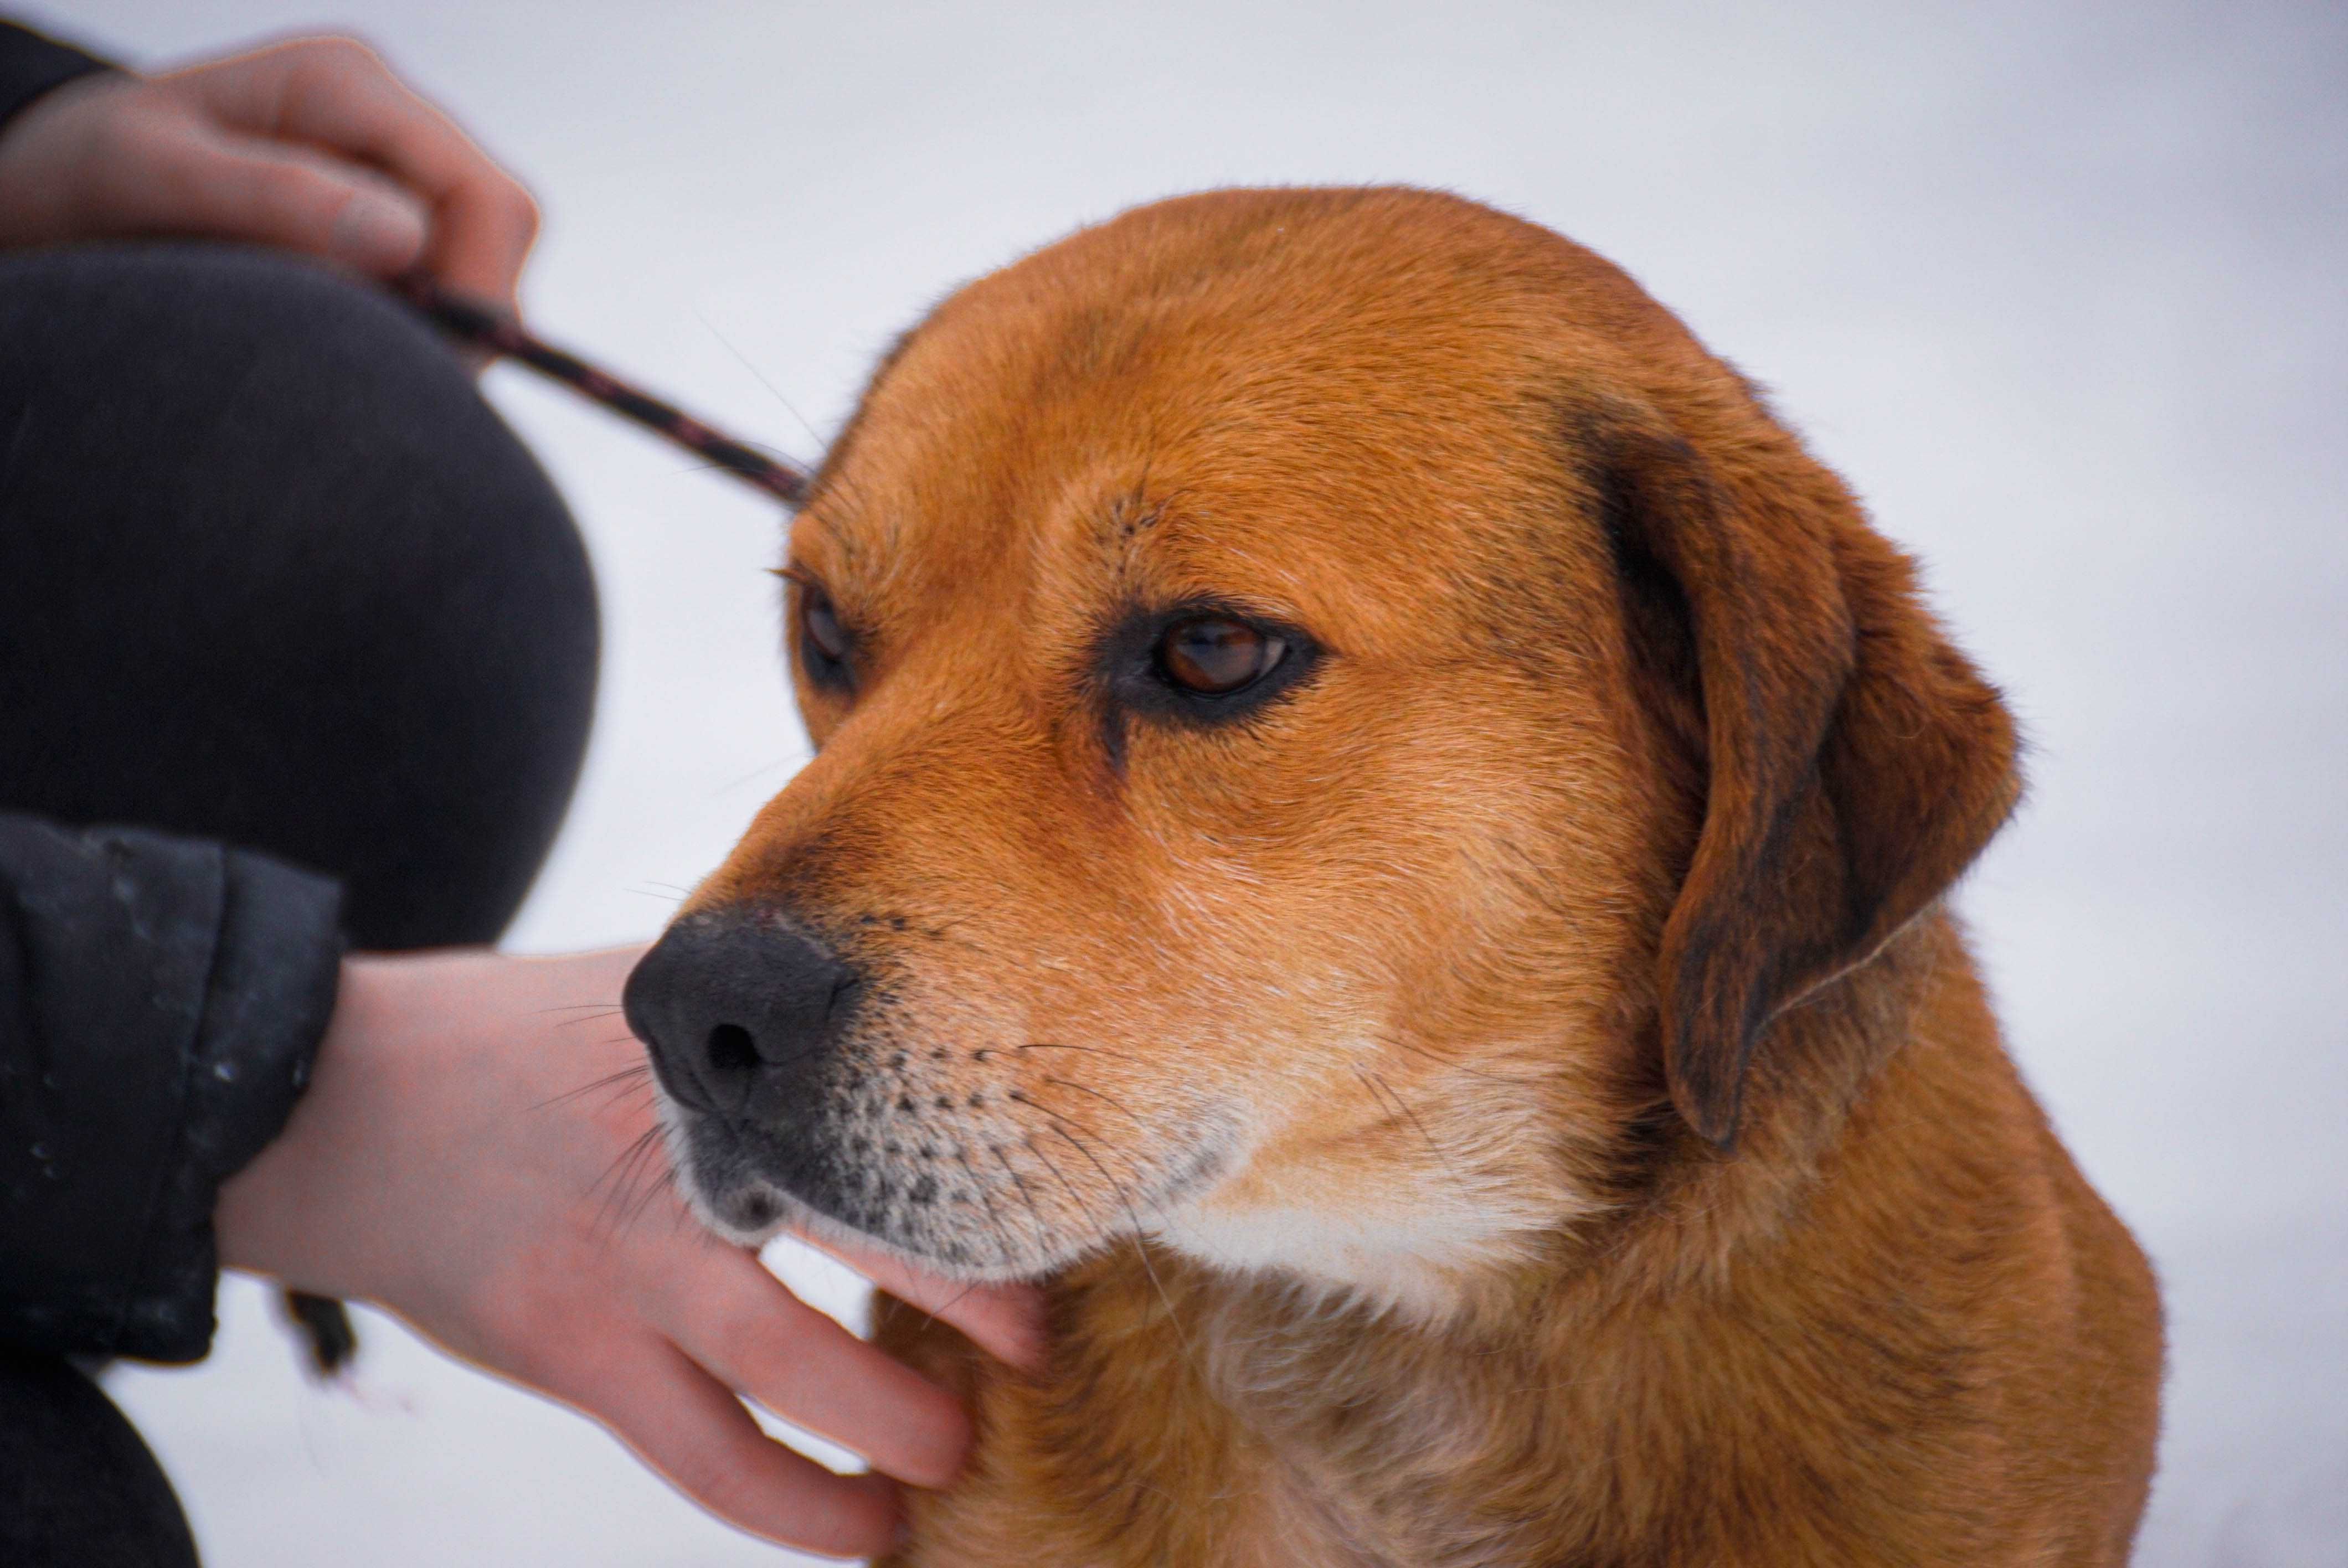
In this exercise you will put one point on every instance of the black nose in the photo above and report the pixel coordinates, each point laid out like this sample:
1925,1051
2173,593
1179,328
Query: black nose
735,1004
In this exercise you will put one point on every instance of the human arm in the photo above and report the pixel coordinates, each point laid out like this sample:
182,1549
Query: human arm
161,1004
312,144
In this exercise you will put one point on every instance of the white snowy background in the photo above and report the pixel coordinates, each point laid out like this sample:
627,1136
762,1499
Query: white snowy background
2063,289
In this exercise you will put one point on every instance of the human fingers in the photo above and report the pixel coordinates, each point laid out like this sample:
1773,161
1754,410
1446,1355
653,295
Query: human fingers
740,1323
337,93
200,183
1005,1320
685,1424
116,157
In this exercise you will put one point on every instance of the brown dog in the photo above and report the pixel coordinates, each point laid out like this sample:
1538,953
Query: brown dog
1380,825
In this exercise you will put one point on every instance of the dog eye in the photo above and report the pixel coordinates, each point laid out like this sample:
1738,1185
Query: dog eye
1215,657
824,642
823,628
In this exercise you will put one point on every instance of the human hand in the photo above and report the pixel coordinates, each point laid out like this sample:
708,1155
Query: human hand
478,1152
312,144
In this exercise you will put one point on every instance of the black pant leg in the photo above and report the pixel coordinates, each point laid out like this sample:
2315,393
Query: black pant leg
271,571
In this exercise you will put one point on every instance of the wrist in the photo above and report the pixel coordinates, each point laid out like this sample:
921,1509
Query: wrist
274,1217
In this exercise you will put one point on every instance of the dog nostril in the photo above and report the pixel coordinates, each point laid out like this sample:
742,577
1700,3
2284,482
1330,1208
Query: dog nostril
731,1049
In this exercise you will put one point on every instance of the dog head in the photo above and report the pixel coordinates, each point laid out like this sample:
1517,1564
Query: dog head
1332,711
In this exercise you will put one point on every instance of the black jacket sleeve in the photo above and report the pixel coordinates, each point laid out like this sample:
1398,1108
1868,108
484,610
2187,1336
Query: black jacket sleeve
161,1000
30,64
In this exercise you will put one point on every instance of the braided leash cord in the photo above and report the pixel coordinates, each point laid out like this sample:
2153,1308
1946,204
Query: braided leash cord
487,327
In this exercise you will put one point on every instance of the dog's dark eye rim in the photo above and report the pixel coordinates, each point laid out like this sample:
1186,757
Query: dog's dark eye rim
1140,677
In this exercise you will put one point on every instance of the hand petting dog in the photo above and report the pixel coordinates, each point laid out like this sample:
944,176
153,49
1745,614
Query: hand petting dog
478,1153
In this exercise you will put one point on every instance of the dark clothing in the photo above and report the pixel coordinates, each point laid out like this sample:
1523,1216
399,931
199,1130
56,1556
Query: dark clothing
271,571
30,64
297,645
77,1488
167,993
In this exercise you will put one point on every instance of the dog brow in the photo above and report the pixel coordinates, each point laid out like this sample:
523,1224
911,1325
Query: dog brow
827,473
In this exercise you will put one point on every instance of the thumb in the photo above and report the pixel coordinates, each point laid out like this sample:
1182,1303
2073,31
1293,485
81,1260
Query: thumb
237,187
380,230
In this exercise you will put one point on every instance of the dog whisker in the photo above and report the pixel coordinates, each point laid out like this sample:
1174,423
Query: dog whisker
1140,1248
932,1317
618,1182
1043,1226
1104,1097
1538,884
763,771
658,1178
1379,1091
1010,1249
625,1079
1062,1119
1522,1080
1053,1165
1376,1084
763,380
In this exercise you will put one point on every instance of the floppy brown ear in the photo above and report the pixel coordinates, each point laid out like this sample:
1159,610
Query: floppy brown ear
1855,762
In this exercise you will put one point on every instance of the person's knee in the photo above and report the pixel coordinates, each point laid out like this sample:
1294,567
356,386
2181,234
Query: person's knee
167,348
299,549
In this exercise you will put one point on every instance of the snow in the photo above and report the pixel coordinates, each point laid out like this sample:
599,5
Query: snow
2057,288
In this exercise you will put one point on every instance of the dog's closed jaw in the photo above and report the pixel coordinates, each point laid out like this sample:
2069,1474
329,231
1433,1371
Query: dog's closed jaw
783,1104
797,1086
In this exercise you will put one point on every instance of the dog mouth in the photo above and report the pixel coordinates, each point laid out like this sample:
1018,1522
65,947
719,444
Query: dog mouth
724,1190
975,1186
809,1081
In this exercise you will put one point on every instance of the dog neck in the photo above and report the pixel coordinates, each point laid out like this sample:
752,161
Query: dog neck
1196,1415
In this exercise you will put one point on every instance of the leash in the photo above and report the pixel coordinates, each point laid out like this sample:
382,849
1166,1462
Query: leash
487,327
324,1323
